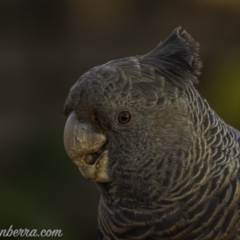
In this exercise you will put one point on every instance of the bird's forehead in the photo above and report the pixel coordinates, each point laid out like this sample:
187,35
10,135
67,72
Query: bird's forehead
100,76
101,85
117,83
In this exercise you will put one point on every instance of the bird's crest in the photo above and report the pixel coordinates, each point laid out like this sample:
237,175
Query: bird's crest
176,58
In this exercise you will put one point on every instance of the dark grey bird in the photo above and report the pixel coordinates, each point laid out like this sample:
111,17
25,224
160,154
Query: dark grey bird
166,165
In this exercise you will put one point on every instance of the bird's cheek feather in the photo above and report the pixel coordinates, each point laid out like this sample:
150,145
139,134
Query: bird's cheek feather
86,148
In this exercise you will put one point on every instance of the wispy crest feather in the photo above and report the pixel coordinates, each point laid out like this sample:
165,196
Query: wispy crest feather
176,58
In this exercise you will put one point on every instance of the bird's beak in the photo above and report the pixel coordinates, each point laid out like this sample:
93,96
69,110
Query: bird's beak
86,148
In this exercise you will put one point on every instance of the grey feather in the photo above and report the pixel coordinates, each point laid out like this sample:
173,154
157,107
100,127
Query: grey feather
175,165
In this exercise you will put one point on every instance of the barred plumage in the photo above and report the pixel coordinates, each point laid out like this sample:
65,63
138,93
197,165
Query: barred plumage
172,171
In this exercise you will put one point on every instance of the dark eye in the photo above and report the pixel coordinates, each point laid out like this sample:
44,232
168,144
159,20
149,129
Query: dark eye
124,117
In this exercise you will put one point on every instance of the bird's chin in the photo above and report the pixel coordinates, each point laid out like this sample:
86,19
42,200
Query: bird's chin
94,167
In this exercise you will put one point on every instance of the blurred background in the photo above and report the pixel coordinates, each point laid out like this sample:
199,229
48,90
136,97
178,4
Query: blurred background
45,46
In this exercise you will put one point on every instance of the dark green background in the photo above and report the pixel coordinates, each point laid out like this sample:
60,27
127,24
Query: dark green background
45,45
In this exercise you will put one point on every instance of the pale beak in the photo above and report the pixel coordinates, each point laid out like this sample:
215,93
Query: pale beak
86,148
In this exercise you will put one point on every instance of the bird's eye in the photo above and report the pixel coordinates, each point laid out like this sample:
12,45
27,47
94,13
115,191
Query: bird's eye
124,117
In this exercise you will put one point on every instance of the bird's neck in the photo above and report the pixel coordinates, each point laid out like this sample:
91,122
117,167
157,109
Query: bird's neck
176,219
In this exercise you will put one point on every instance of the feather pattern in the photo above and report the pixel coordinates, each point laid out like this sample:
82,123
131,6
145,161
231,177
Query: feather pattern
202,199
175,166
